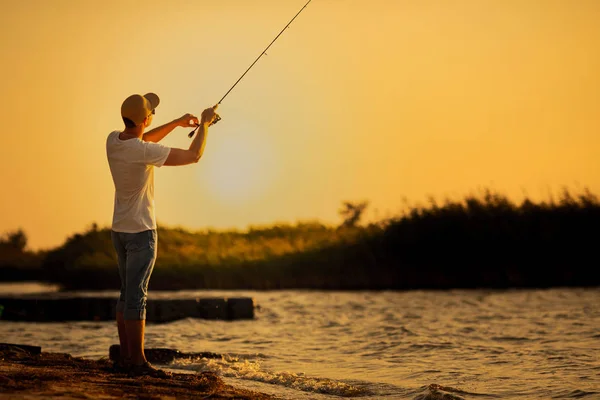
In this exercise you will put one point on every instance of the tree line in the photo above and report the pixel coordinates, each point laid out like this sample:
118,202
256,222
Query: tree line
479,241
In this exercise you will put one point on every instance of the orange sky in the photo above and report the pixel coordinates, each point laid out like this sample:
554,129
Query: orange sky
359,99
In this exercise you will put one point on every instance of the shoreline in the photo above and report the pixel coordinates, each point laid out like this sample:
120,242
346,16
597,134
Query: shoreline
28,372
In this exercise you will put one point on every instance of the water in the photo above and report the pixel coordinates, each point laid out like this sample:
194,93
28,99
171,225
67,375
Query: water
479,344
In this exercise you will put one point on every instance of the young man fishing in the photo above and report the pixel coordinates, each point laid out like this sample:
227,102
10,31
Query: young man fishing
132,155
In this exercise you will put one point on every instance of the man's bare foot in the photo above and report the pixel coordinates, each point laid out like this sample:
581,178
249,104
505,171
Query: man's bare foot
147,369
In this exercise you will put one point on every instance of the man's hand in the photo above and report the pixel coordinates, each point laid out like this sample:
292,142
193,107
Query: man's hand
187,121
209,115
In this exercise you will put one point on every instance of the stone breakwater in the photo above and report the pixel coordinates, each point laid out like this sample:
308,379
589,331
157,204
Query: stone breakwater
58,308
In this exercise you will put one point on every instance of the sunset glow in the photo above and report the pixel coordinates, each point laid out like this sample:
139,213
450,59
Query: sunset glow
241,167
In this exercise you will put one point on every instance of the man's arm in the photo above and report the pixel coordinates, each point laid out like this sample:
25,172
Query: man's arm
157,134
193,154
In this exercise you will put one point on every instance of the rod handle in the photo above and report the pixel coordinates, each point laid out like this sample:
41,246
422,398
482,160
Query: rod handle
217,119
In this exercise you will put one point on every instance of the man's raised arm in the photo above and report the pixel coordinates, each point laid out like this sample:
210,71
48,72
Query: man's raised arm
193,154
157,134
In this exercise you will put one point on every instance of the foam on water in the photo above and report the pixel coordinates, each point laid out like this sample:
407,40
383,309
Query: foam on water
252,369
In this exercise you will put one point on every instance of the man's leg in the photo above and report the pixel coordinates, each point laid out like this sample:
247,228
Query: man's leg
122,263
141,256
123,341
135,336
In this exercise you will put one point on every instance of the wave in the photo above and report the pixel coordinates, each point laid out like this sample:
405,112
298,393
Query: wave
439,392
241,368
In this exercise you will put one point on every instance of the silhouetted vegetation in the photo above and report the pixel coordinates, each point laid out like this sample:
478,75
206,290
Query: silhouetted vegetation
16,262
485,241
352,212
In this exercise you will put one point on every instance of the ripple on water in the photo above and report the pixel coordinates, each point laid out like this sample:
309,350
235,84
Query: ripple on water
439,392
575,394
509,338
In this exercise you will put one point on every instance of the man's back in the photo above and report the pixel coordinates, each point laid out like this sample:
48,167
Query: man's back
132,164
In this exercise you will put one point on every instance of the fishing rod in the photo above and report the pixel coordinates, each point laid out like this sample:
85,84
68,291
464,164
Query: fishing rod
217,117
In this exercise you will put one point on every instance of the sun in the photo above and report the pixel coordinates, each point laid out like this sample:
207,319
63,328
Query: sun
240,164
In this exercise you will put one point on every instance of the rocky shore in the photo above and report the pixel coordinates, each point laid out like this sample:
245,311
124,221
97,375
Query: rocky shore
28,373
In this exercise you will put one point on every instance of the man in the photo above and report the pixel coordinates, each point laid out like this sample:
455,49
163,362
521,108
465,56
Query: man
132,155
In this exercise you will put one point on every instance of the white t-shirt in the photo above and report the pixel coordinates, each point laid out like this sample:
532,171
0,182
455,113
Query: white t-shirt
132,165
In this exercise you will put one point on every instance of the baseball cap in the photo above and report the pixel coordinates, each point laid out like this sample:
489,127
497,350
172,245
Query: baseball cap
137,107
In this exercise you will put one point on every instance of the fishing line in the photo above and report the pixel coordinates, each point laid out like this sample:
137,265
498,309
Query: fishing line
217,117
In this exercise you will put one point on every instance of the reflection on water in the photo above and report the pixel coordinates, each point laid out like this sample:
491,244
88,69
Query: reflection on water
517,344
26,287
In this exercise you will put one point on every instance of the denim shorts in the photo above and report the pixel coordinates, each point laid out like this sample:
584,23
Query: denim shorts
136,253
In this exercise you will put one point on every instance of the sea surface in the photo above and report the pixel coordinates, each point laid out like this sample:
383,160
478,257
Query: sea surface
457,344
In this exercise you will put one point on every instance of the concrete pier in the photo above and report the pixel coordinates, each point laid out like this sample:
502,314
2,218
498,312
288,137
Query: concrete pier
63,308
